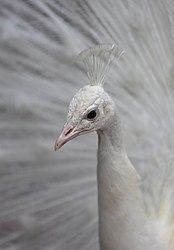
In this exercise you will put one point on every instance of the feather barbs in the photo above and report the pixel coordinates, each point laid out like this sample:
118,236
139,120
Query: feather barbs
97,61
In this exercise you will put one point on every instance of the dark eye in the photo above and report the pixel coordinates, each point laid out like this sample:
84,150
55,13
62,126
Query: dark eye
91,115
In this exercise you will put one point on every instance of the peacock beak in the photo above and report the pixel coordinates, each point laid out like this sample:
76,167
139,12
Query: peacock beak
68,133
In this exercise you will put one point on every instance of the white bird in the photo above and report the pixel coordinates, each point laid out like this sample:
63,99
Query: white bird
123,220
48,201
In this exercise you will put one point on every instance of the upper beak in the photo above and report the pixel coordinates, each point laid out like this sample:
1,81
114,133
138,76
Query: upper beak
69,132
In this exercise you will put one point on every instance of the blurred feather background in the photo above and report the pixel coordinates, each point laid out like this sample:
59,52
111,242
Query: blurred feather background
48,200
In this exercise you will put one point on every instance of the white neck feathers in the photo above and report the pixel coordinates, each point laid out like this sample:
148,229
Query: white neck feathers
122,221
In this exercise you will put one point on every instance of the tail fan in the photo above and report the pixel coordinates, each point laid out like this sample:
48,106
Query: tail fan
48,200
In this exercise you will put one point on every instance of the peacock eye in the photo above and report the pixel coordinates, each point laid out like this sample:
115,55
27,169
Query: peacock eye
91,115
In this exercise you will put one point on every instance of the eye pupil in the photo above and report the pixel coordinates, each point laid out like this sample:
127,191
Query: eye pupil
91,115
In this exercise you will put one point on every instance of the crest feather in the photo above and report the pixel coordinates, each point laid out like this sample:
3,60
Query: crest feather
97,61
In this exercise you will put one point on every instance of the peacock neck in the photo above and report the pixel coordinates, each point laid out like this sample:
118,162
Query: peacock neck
115,173
110,137
121,212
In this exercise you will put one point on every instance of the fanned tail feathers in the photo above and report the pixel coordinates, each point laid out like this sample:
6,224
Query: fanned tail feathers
48,200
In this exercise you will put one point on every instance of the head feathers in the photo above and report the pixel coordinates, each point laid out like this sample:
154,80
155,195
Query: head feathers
97,61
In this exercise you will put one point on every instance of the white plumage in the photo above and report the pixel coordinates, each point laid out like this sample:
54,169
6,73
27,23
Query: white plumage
48,200
123,220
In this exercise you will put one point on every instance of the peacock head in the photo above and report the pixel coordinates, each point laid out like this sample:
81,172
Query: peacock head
91,107
89,111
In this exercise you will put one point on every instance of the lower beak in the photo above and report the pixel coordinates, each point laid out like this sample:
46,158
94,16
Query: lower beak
68,133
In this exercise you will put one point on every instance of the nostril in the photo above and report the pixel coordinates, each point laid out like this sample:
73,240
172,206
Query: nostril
69,131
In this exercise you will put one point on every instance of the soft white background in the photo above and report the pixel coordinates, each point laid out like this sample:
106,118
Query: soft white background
48,200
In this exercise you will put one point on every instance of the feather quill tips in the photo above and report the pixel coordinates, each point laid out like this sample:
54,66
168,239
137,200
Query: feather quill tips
97,61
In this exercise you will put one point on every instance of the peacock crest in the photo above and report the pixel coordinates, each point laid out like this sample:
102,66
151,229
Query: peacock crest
97,61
